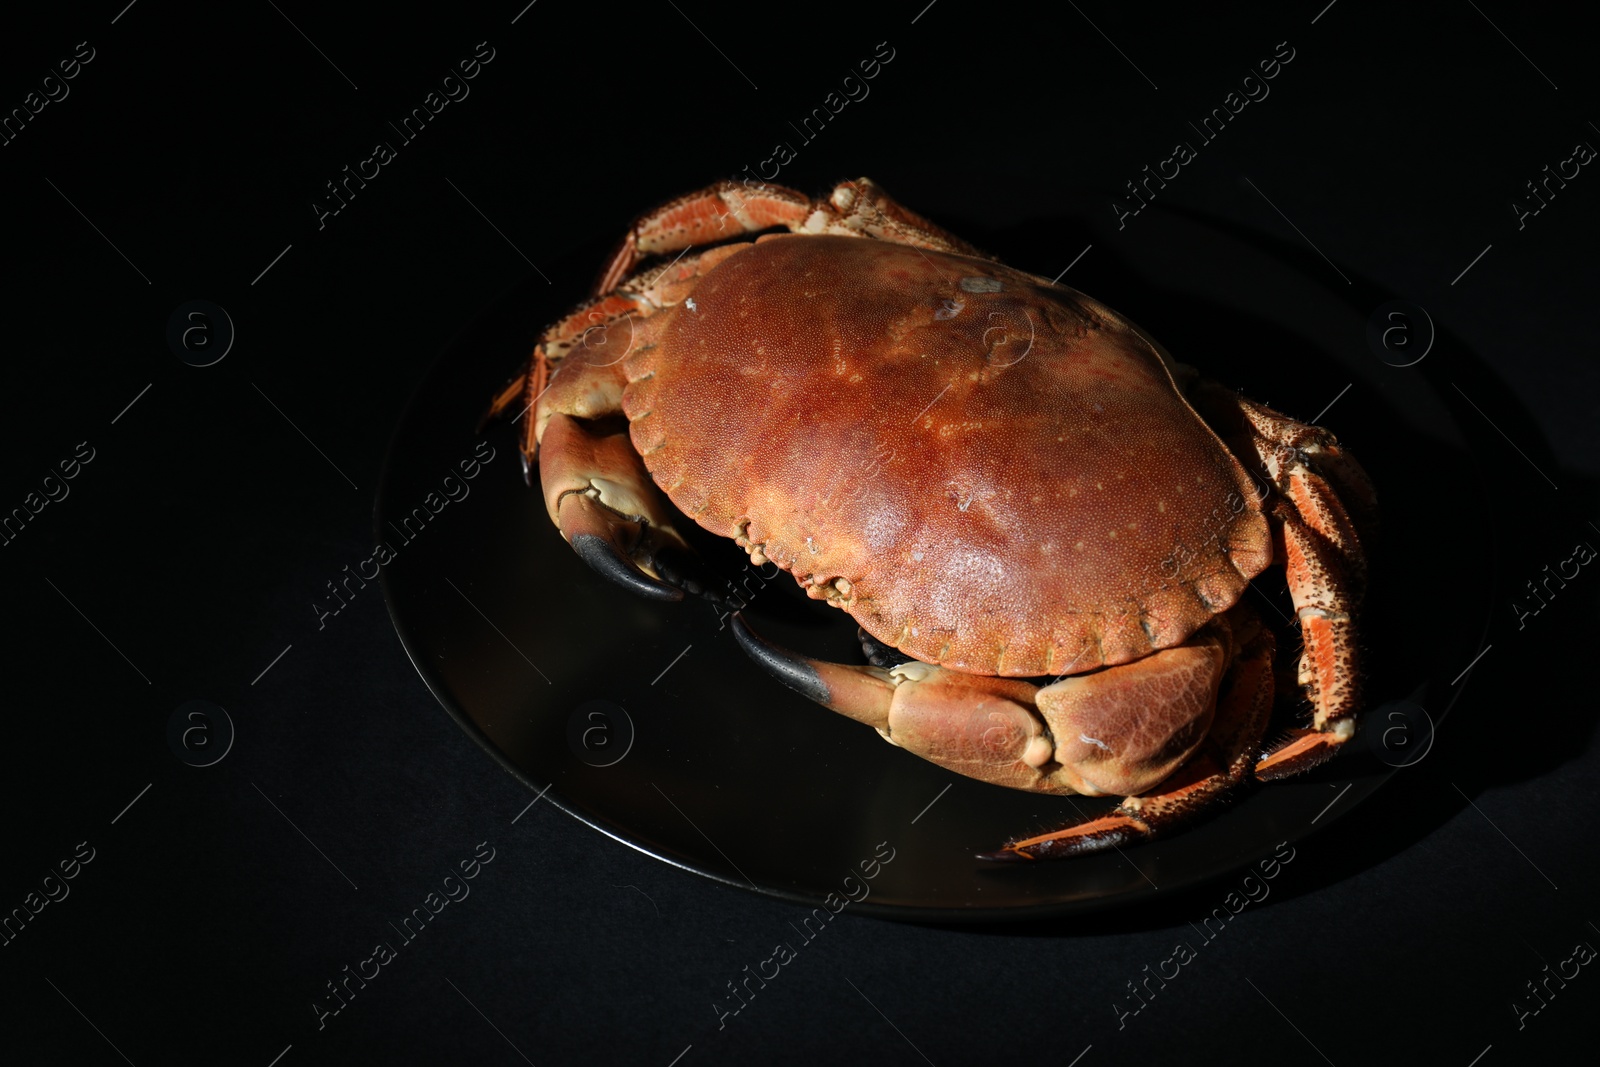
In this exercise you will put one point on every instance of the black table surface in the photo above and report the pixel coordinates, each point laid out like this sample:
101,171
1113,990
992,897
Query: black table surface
158,911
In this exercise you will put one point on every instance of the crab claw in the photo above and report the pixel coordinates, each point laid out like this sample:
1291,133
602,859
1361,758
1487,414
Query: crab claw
599,496
863,693
1009,732
983,727
1169,733
596,534
615,546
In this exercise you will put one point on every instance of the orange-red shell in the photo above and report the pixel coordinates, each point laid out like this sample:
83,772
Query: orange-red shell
1002,470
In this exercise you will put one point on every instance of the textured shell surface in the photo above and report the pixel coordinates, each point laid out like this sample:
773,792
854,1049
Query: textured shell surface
988,471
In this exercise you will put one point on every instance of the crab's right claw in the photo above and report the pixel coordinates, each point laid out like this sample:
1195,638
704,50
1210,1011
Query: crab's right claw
606,541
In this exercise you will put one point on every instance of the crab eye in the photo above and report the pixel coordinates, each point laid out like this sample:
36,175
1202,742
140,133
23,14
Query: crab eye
948,309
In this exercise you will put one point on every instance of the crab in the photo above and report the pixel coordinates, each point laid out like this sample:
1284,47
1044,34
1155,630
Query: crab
1043,524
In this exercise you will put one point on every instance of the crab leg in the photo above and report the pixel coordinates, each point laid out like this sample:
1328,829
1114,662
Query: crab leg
598,325
1324,479
1323,559
715,213
862,208
1330,663
1319,479
727,209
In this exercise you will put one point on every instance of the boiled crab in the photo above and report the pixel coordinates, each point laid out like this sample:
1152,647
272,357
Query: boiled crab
1051,520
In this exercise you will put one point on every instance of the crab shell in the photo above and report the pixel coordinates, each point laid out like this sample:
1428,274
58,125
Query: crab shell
1007,482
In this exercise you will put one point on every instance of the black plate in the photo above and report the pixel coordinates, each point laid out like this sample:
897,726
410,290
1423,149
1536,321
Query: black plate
713,768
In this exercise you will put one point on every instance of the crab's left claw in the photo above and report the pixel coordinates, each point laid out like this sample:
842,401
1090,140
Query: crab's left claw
863,693
1174,758
986,728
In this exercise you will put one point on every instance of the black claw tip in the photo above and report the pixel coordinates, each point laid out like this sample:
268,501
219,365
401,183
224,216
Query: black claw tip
788,668
527,469
599,554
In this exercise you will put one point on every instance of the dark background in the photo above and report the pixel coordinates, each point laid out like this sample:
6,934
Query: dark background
186,158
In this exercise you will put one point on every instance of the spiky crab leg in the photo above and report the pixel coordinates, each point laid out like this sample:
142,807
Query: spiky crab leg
728,209
1324,505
